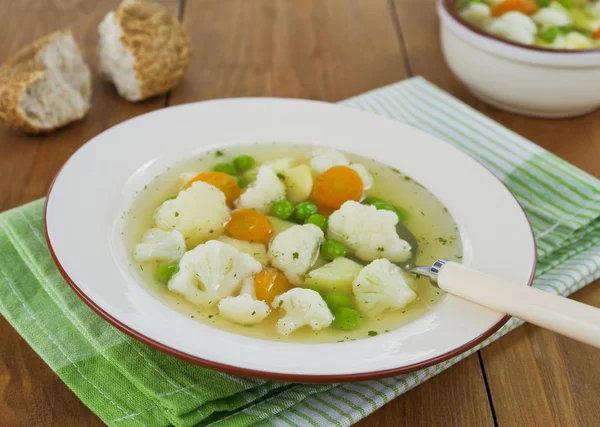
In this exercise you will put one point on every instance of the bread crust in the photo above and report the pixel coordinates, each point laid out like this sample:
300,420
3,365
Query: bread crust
159,42
18,72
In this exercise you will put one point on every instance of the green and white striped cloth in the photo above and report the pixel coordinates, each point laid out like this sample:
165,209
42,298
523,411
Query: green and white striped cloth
129,384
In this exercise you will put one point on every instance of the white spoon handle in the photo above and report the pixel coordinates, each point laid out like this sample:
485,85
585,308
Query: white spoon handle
564,316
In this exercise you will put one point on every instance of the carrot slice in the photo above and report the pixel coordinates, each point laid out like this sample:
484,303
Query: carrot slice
597,34
226,183
269,283
248,225
525,6
336,186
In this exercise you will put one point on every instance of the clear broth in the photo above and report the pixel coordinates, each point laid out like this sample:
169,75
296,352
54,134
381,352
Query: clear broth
428,220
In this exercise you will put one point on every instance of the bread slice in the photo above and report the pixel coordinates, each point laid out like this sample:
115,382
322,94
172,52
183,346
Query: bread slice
45,85
144,49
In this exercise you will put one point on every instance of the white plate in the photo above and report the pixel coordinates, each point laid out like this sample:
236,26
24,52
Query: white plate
97,184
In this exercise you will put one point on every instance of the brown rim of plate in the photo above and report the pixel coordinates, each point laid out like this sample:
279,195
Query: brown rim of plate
275,376
450,7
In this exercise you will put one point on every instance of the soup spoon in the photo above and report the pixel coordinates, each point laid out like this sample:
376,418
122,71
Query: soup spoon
561,315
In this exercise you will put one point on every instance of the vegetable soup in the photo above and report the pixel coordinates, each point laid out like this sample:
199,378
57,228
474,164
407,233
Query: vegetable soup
288,242
554,24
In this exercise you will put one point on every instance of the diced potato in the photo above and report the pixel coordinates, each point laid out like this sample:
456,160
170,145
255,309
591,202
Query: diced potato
319,262
337,276
257,250
279,225
299,183
282,165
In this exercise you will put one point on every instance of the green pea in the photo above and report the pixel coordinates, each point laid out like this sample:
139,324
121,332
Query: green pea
346,319
369,200
166,271
282,209
318,220
337,300
332,249
243,162
242,182
304,210
550,34
387,207
228,168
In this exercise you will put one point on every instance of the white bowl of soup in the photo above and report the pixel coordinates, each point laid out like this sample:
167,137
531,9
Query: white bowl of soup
536,58
258,237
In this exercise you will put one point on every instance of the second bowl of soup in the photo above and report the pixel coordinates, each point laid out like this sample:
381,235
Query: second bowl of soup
533,58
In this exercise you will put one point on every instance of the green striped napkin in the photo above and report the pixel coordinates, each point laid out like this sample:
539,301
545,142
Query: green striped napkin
129,384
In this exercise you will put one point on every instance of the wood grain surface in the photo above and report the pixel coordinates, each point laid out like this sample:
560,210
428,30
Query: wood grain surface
317,49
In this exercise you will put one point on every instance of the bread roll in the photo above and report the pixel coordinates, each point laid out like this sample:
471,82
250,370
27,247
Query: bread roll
144,49
45,85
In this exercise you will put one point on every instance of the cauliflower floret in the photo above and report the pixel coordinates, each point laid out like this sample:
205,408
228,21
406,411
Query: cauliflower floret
368,232
476,12
243,309
160,245
294,250
211,272
325,158
551,17
515,26
382,286
266,189
199,213
248,287
365,175
302,307
573,40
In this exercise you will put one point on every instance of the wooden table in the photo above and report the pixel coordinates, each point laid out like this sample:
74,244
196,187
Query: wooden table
317,49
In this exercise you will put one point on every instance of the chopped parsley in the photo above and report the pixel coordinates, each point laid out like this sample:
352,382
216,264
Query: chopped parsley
372,333
219,153
176,214
280,175
253,313
280,303
418,276
210,316
211,231
442,240
295,255
381,249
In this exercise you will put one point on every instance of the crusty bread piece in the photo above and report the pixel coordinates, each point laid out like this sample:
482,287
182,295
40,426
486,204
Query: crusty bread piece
45,85
144,49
